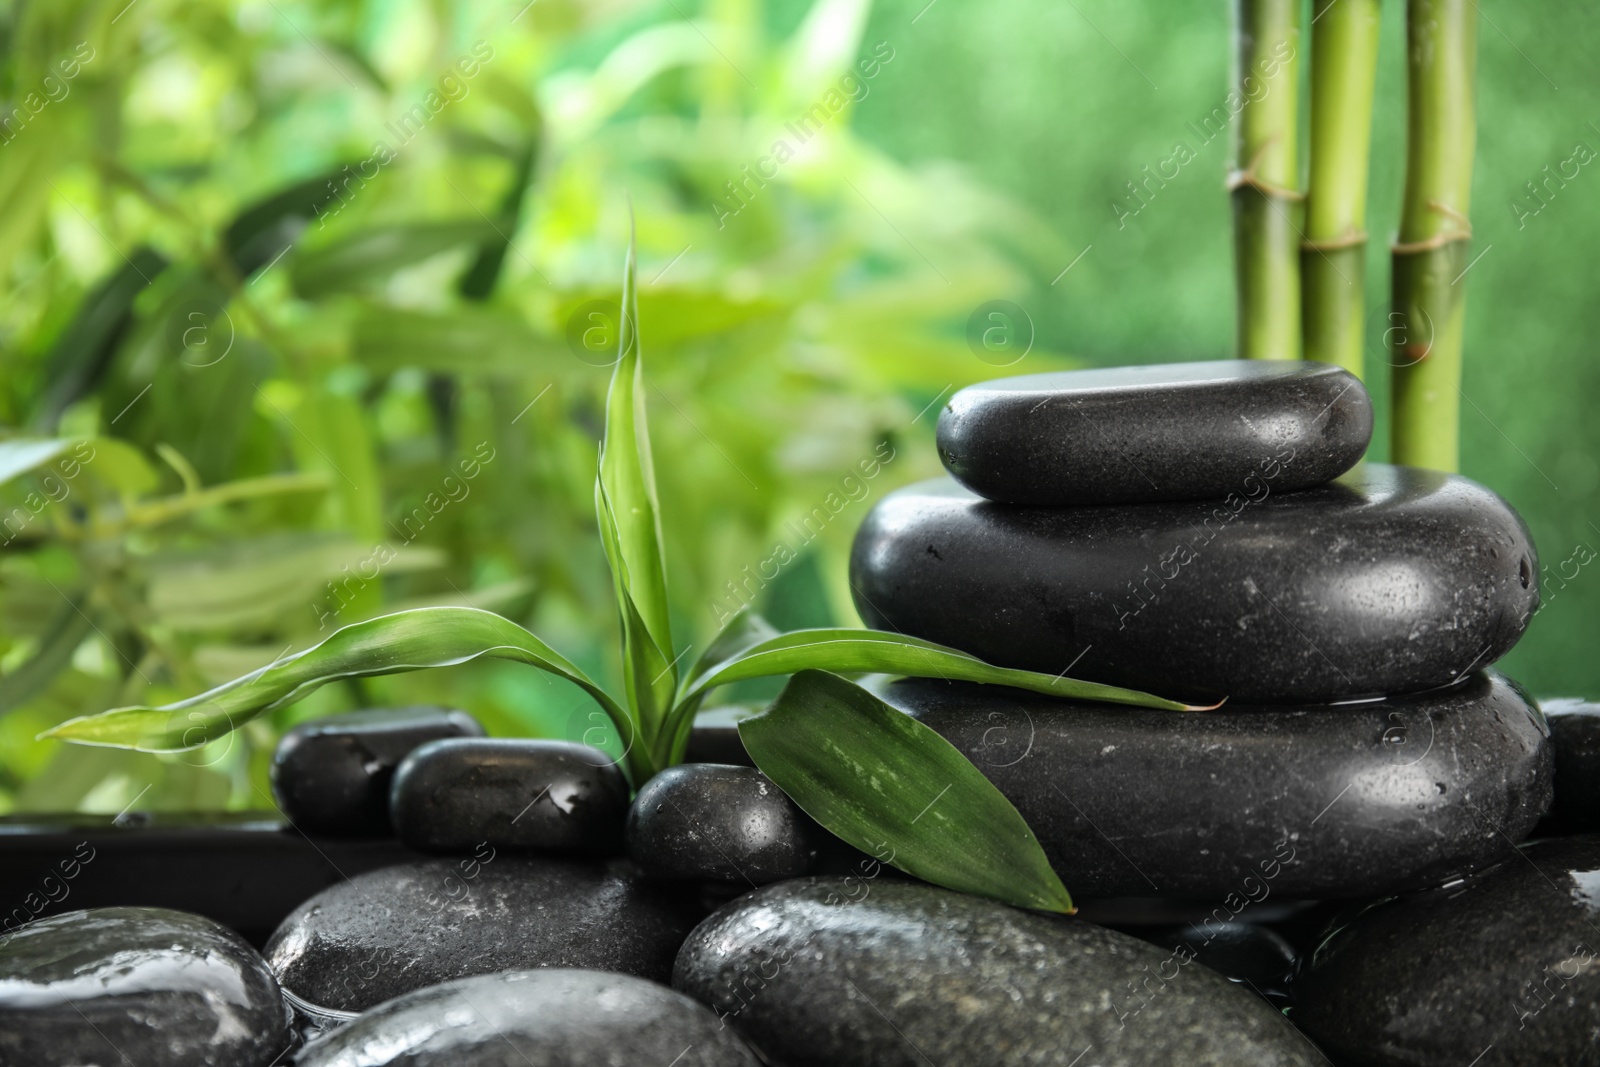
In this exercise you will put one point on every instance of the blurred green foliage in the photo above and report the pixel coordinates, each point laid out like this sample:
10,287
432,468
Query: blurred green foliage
320,300
285,381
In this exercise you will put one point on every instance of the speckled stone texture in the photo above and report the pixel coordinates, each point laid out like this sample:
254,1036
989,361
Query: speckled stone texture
1391,580
551,1018
1177,431
147,986
509,793
413,925
331,775
1503,972
1250,802
719,822
863,973
1575,736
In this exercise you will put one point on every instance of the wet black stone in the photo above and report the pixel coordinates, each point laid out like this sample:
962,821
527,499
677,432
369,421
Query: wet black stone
719,822
715,738
1504,970
1239,951
458,794
331,775
1245,804
1177,431
148,986
1390,580
551,1018
845,972
417,924
1575,736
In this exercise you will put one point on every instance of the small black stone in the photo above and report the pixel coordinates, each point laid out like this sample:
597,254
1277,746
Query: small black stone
1504,970
457,795
1575,736
719,822
331,775
551,1018
854,972
148,986
1242,805
1391,580
715,738
1176,431
401,928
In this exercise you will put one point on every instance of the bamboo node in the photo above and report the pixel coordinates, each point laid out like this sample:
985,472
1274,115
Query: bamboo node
1240,179
1333,244
1407,248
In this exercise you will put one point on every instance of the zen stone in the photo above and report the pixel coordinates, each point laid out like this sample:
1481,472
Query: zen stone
715,738
401,928
1243,804
1177,431
719,822
460,794
1575,736
847,972
148,986
331,775
1501,971
553,1018
1391,580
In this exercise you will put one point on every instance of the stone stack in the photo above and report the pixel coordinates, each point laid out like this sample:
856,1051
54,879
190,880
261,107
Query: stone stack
1206,532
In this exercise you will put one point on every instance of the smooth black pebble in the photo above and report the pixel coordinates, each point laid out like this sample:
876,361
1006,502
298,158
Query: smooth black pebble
331,775
457,795
1391,580
1575,736
1176,431
719,822
147,986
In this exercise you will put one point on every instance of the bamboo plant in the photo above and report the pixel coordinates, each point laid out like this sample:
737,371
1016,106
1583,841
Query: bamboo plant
1430,254
1264,177
1344,64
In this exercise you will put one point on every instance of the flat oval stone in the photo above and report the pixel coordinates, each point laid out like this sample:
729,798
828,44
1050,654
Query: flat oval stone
1391,580
1245,803
553,1018
845,972
1175,431
413,925
1501,971
331,775
1575,736
718,822
149,986
459,794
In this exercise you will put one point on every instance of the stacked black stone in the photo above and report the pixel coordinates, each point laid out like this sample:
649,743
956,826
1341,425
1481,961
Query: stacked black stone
1203,531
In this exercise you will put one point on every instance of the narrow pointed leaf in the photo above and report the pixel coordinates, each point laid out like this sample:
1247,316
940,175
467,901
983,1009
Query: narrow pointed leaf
891,786
647,668
877,651
627,480
390,644
744,630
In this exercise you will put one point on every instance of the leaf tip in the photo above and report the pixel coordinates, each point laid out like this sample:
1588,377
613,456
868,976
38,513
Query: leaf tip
1205,707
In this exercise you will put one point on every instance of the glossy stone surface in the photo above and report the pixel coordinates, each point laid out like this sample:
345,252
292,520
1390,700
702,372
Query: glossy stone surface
417,924
552,1018
719,822
331,775
147,986
1391,580
1498,972
1176,431
1575,736
1240,951
847,972
1248,803
459,794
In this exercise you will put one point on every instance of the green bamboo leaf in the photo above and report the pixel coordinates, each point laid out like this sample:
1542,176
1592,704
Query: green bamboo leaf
647,667
745,630
371,256
625,496
390,644
878,651
891,786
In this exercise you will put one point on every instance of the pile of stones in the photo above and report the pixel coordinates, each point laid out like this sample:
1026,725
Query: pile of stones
1323,869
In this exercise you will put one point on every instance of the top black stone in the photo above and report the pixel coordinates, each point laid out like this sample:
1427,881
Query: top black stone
1174,431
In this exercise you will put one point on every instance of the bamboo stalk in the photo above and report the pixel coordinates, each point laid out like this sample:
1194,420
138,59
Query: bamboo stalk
1430,255
1333,257
1263,182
